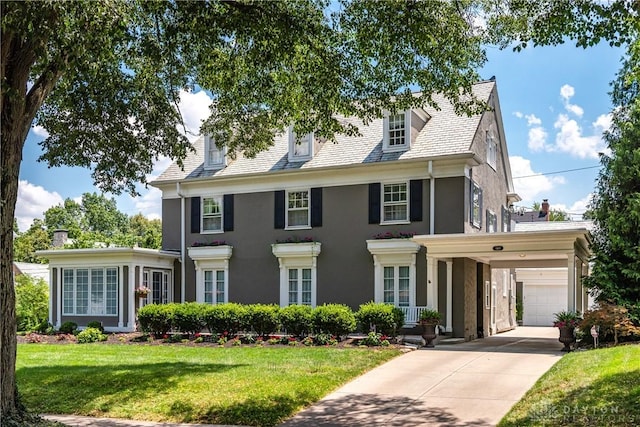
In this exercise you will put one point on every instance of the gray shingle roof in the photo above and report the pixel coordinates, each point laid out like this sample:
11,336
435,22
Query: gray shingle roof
446,133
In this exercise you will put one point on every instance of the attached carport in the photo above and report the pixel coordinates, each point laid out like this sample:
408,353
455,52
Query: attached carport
565,246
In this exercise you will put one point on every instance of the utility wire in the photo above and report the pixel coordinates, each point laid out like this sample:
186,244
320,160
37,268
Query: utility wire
555,172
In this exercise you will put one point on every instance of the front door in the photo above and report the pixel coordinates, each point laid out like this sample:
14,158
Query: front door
160,287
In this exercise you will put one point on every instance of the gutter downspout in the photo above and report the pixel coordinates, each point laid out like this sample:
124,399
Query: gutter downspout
432,197
182,243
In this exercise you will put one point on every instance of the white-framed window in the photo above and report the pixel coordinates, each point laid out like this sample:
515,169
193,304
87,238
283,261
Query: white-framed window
492,222
300,147
395,203
90,291
214,157
394,263
212,272
397,131
396,285
298,272
214,286
298,209
300,286
160,285
475,216
211,214
492,149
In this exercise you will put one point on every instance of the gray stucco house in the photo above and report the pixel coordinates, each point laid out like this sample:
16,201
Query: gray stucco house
313,222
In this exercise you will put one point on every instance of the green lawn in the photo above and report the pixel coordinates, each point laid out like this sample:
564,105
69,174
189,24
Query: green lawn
251,386
587,388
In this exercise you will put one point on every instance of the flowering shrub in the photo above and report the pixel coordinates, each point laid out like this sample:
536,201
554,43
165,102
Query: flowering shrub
374,339
566,319
308,341
392,235
292,341
326,339
90,335
213,243
273,340
142,291
236,341
296,239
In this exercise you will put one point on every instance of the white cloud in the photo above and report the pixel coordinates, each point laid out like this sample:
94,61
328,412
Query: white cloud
534,184
518,114
149,204
532,120
194,108
578,207
537,139
603,123
567,92
40,131
33,201
570,139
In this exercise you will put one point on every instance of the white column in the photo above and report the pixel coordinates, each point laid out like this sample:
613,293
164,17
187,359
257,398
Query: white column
579,291
284,291
377,280
53,295
429,282
132,307
571,282
120,297
449,295
60,291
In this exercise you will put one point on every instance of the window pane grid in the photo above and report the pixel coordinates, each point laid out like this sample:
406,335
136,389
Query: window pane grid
90,291
298,208
208,286
219,287
396,130
212,214
112,290
395,202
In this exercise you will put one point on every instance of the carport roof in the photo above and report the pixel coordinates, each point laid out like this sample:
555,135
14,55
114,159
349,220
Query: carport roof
533,249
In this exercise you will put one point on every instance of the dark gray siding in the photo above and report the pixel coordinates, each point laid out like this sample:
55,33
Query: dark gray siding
450,206
345,266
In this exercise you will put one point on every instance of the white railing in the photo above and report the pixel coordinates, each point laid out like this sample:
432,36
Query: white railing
412,315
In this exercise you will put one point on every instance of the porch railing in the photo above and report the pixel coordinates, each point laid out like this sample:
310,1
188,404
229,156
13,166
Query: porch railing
412,315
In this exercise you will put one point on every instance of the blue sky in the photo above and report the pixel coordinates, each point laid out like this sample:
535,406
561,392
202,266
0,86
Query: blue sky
554,102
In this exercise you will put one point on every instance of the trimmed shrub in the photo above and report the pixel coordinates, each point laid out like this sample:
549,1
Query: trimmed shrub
297,319
32,302
156,319
90,335
45,328
96,324
68,327
383,318
189,317
264,319
334,319
228,317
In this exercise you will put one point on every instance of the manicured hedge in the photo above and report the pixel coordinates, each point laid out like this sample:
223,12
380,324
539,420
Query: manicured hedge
266,319
379,317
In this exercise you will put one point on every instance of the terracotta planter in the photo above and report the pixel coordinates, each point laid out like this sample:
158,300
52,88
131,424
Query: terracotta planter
428,332
567,337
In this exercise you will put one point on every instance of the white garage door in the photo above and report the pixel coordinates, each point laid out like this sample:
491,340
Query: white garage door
541,302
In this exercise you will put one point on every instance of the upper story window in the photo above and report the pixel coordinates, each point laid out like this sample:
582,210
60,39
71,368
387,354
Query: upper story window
397,131
492,149
300,147
476,205
298,212
492,222
395,203
212,214
215,157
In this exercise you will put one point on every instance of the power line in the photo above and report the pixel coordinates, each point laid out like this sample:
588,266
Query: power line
555,172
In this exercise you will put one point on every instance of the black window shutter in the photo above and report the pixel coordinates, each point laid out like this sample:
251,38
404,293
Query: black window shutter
278,210
227,206
415,200
374,203
316,207
195,214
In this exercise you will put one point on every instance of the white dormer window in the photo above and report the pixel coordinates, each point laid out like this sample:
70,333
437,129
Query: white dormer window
397,131
492,149
300,147
215,157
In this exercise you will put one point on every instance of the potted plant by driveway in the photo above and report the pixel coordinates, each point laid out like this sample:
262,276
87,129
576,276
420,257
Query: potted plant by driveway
566,322
429,319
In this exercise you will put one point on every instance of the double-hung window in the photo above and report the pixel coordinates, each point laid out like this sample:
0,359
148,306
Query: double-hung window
395,203
214,286
90,291
215,157
212,214
300,289
492,150
476,205
396,285
300,147
397,131
298,213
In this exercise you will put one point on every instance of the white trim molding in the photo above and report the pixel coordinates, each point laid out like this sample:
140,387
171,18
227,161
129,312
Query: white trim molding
393,252
210,258
297,255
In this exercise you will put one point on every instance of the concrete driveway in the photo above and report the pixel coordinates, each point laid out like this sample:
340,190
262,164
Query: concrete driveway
466,384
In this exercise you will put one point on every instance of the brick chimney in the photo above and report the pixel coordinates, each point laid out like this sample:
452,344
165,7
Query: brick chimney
545,208
60,237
